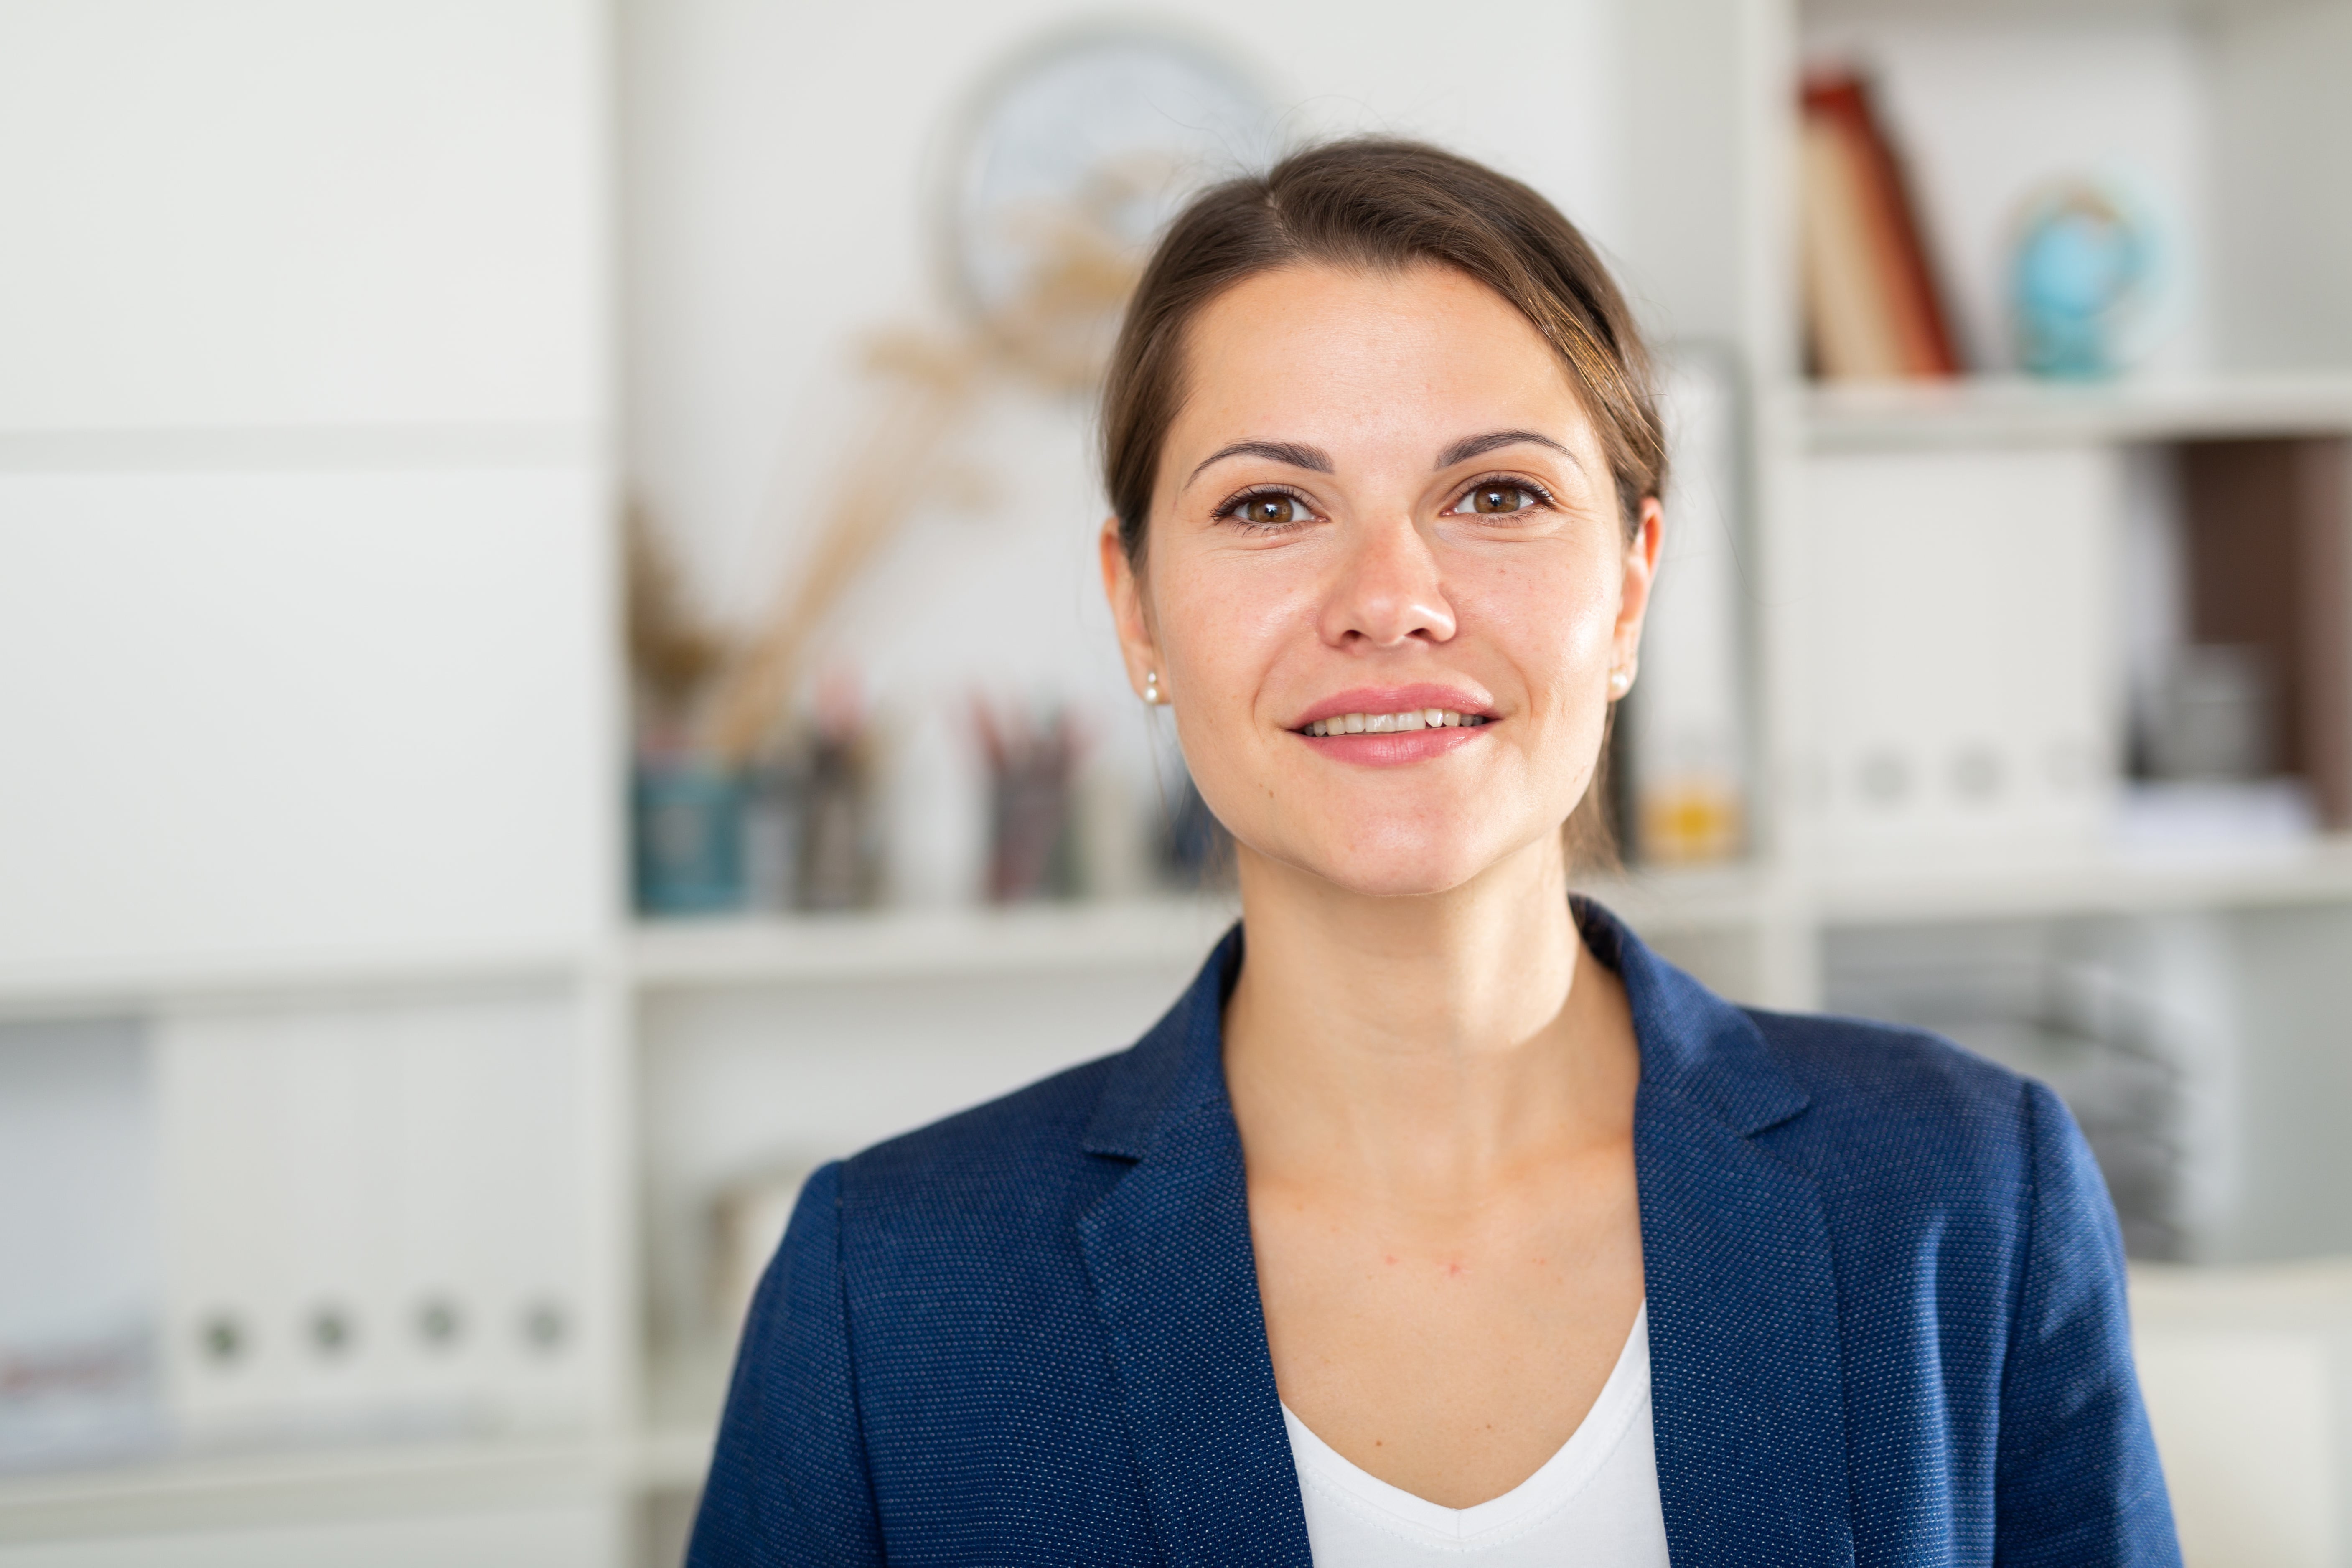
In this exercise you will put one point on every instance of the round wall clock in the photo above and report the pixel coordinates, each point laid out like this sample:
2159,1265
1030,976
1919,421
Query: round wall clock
1071,159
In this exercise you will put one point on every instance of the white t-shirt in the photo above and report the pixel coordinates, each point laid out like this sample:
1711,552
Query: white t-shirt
1594,1503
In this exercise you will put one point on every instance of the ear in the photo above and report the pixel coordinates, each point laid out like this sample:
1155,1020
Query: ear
1137,646
1634,593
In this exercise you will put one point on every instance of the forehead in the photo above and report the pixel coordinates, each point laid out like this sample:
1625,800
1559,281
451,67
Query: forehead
1420,356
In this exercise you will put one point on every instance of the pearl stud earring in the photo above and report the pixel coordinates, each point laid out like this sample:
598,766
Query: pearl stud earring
1152,687
1621,681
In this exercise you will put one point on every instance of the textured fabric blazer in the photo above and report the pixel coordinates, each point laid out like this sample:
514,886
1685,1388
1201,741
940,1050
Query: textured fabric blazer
1886,1292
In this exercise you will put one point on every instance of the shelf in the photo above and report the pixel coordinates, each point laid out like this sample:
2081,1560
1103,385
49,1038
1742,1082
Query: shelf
219,1489
2045,11
682,954
139,986
2002,411
2315,872
908,944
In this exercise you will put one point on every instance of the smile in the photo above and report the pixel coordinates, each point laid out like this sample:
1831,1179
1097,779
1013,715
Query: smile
1390,723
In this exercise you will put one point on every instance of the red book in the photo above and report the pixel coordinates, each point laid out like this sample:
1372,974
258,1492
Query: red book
1865,239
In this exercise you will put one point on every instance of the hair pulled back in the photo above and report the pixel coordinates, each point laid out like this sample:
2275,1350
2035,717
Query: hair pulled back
1385,205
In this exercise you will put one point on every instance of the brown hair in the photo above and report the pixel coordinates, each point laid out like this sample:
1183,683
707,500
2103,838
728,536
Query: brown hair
1379,204
1386,205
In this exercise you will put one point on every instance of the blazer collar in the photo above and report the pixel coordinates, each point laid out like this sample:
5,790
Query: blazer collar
1693,1043
1176,1069
1747,1393
1175,1279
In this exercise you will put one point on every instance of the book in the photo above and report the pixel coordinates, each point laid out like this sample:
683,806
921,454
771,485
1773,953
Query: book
1873,304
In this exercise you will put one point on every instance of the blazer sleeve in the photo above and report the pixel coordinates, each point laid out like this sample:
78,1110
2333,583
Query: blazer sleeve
788,1479
2078,1484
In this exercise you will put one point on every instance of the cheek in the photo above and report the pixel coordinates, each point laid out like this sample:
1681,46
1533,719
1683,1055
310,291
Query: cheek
1223,624
1551,613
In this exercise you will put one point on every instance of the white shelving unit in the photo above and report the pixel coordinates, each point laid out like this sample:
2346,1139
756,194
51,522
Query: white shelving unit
2016,411
2285,878
697,1049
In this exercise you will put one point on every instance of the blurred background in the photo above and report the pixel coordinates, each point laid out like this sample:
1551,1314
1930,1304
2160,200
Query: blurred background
552,674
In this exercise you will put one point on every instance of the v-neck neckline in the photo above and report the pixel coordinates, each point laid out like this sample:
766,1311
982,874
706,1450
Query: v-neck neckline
1555,1483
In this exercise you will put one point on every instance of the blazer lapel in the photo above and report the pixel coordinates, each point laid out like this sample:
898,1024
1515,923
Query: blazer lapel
1175,1279
1747,1390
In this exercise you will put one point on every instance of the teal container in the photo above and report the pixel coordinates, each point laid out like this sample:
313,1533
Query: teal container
687,827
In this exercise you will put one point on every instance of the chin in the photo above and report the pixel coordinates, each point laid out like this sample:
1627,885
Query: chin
1401,864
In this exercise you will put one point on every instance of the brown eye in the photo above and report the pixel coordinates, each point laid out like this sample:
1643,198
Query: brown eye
1271,509
1492,498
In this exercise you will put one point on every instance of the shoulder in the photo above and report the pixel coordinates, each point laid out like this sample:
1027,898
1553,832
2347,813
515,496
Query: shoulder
1896,1070
1900,1107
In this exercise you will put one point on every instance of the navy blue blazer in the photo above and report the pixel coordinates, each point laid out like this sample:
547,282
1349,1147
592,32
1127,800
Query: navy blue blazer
1886,1290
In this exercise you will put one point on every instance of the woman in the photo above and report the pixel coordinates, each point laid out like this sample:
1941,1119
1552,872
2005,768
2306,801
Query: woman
1439,1221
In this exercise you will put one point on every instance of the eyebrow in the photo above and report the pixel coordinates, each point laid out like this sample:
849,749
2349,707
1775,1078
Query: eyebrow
1471,446
1298,456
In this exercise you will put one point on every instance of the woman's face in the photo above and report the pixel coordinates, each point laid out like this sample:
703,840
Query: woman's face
1383,498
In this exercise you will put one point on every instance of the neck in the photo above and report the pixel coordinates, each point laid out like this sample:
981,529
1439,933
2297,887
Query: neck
1421,1043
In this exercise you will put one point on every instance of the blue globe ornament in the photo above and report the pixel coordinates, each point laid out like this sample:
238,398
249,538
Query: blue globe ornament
2081,277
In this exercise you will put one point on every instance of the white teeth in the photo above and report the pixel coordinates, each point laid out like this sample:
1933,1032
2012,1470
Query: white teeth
1389,724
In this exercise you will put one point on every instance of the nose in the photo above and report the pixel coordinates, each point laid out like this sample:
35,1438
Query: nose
1389,591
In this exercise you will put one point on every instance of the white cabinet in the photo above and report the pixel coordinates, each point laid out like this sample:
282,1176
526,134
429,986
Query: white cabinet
257,718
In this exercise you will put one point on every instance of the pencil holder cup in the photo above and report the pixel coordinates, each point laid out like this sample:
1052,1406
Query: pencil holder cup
687,816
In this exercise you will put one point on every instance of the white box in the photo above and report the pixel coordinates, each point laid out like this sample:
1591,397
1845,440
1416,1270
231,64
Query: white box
1962,662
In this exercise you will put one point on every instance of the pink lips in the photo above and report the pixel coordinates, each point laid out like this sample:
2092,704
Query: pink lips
1397,747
